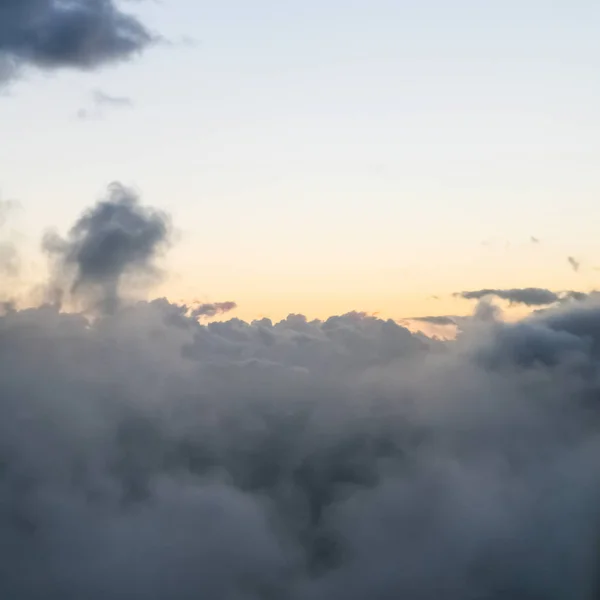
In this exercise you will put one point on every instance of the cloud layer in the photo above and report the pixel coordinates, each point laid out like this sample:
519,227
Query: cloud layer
146,455
55,34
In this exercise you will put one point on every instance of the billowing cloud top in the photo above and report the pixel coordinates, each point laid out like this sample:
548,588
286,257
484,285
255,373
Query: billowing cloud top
53,34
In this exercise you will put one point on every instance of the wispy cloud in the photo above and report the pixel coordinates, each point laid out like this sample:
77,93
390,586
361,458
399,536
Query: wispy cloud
100,102
212,309
575,264
527,296
442,320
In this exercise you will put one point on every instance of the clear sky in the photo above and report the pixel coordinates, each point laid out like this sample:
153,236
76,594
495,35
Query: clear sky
328,156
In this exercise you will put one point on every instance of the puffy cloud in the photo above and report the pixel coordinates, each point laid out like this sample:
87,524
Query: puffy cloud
527,296
145,454
329,459
337,345
54,34
116,238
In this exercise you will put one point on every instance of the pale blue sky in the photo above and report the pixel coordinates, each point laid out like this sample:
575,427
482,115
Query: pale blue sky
325,156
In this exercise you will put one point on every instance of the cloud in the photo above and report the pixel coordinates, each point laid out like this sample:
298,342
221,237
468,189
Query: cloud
115,239
534,240
526,296
575,264
100,102
573,295
262,460
436,320
213,309
146,454
102,99
56,34
9,259
10,262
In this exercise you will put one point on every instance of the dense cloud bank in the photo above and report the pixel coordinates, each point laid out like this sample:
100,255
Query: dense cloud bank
146,455
54,34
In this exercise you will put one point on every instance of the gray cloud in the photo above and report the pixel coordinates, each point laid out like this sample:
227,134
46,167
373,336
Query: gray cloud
144,454
302,459
55,34
213,309
527,296
436,320
575,264
116,238
573,295
534,240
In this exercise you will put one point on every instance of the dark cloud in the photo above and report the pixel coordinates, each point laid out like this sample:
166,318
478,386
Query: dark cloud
526,296
115,239
213,309
144,454
55,34
436,320
575,264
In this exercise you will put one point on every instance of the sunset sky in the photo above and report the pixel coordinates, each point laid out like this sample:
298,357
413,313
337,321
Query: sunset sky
299,299
323,157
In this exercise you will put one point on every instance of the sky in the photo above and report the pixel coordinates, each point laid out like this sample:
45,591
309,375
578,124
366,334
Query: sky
323,157
170,175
